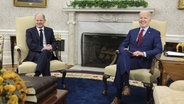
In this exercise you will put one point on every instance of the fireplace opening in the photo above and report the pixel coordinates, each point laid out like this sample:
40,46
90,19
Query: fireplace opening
97,48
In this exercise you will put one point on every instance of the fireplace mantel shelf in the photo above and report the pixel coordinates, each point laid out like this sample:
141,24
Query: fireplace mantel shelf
92,10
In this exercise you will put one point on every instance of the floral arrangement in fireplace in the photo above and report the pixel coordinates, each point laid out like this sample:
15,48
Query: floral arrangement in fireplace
108,3
12,88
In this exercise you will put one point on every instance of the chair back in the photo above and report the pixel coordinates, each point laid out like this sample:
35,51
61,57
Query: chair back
156,24
23,23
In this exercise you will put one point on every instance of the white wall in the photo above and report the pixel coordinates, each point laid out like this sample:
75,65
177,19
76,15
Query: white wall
167,10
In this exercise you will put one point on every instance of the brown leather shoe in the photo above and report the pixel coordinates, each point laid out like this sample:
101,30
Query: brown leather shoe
126,91
116,101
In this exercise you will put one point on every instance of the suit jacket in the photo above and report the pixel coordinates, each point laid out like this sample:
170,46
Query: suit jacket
33,41
151,44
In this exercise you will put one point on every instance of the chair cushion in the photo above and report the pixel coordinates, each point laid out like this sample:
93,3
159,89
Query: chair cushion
27,67
166,95
110,70
31,66
142,75
57,65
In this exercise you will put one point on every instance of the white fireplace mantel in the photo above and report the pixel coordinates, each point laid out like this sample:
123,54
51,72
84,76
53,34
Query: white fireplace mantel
73,18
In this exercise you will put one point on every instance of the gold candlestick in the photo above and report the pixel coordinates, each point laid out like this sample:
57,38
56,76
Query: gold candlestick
180,47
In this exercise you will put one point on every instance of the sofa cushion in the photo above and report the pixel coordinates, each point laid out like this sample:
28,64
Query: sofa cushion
177,85
166,95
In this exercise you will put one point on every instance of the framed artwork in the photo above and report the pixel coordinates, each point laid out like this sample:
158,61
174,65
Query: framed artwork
31,3
180,4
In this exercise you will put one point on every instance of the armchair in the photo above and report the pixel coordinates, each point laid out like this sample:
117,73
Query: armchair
144,75
22,23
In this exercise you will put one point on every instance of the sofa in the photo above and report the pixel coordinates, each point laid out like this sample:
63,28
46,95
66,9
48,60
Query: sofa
172,94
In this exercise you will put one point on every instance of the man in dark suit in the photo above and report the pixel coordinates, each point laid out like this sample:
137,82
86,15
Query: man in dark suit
136,52
40,41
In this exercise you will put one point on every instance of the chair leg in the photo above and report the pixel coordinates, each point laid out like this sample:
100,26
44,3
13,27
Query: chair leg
63,78
105,77
149,87
17,70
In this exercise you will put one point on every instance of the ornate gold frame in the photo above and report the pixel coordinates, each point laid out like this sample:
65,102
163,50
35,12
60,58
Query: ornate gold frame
24,3
180,4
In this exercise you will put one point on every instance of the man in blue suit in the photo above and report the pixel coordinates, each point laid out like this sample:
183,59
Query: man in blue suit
136,53
40,41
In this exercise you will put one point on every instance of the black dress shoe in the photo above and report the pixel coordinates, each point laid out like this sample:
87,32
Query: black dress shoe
116,101
126,91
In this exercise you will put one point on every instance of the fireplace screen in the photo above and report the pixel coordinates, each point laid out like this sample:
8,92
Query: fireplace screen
97,48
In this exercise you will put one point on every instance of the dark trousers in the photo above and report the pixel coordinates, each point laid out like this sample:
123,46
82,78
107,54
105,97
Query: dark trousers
43,63
125,62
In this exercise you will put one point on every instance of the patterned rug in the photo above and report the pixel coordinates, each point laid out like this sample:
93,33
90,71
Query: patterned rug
81,74
91,75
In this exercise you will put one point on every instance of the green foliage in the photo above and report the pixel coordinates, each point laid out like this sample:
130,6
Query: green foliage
108,3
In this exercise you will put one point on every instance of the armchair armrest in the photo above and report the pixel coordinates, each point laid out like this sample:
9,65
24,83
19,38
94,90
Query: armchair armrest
155,71
1,57
1,50
155,64
58,54
115,53
19,54
57,50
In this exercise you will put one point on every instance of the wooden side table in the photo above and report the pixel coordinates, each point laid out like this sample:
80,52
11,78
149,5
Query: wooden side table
172,67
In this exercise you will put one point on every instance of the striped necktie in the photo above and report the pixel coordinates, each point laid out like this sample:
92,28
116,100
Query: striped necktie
140,37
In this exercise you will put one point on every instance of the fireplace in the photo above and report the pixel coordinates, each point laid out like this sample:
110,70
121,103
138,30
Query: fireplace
96,20
97,48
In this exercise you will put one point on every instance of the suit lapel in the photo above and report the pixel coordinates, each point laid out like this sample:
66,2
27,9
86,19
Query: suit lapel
37,34
135,36
146,34
46,34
